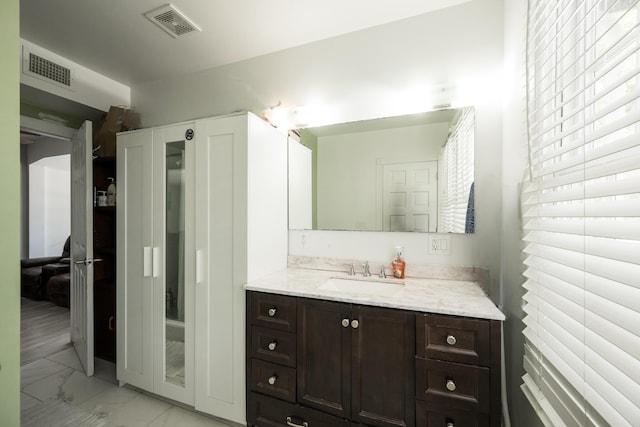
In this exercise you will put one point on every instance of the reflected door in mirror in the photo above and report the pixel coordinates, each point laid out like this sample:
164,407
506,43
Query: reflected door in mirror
409,199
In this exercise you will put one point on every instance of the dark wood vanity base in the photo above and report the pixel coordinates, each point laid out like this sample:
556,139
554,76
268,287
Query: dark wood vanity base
315,363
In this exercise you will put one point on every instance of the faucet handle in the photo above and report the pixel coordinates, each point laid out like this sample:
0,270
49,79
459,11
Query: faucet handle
366,272
352,271
382,273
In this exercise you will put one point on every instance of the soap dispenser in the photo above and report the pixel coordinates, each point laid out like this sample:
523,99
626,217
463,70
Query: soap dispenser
111,192
398,264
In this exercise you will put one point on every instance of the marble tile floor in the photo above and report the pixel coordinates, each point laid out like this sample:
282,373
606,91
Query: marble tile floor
58,381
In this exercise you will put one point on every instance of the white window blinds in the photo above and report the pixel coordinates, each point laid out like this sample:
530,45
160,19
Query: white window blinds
581,208
456,176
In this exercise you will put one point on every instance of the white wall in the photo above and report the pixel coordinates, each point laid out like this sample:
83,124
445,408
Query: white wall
49,205
90,88
514,155
378,72
347,170
366,74
363,74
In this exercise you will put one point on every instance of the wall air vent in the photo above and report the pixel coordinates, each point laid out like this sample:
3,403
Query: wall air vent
171,20
46,69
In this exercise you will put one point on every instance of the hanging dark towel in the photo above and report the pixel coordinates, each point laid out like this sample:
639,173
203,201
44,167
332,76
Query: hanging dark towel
470,224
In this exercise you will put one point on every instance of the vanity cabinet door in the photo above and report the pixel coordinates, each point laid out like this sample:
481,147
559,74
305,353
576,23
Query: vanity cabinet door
357,362
382,374
324,356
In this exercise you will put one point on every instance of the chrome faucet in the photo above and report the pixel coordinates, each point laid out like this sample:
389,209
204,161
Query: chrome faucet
352,271
366,272
382,274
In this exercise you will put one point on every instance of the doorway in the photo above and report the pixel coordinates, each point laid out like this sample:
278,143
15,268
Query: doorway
45,226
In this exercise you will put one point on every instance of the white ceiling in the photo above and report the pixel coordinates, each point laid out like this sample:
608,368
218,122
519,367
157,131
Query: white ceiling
115,39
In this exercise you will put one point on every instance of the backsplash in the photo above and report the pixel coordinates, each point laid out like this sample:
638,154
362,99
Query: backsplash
435,271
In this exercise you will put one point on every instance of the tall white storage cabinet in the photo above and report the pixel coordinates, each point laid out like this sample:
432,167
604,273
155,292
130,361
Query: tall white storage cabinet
202,209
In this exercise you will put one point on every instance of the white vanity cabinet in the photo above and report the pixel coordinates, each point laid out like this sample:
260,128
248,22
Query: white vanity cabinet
202,209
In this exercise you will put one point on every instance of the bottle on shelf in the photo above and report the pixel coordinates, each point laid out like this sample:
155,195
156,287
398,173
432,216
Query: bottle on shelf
111,192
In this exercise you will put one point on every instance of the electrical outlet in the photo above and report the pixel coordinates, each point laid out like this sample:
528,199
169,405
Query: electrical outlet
439,244
302,242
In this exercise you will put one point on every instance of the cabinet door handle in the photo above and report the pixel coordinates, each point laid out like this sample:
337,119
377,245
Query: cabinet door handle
451,340
147,262
156,262
449,423
272,379
345,323
290,423
355,324
272,345
272,312
111,319
451,386
198,267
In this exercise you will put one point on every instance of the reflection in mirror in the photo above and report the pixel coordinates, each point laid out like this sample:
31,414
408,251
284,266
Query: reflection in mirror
406,173
174,263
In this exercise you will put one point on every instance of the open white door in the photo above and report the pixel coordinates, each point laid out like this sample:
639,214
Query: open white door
82,246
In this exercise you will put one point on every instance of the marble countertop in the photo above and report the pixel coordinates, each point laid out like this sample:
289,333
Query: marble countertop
454,297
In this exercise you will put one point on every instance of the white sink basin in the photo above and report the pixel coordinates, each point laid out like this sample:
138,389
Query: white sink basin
362,287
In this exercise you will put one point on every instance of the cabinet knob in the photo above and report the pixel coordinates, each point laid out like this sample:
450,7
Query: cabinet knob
451,340
451,386
272,345
355,324
345,323
272,379
272,312
290,423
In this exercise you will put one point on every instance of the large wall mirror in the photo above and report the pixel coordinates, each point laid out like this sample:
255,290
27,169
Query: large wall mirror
406,173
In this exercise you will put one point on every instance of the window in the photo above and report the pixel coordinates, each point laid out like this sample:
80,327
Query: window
581,208
456,175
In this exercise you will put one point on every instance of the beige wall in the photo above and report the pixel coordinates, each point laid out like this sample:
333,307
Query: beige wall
9,214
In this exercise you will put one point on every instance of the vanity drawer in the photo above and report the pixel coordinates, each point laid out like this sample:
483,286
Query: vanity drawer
445,417
274,380
273,311
453,339
453,385
265,411
273,345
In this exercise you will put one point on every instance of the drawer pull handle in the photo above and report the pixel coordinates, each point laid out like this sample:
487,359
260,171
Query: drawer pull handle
449,423
272,312
290,423
451,340
345,323
451,386
273,345
272,379
355,324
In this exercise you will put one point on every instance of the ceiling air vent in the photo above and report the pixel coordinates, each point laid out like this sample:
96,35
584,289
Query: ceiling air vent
46,69
171,20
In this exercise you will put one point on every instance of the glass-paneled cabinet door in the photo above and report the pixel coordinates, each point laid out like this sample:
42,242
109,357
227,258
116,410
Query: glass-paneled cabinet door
174,262
174,300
